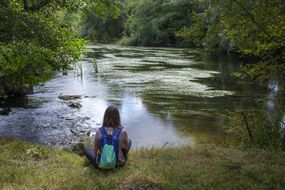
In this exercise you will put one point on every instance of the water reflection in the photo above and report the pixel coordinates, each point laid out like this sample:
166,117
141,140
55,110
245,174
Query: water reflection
146,129
273,88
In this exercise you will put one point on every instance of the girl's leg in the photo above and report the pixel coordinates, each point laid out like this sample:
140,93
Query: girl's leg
89,152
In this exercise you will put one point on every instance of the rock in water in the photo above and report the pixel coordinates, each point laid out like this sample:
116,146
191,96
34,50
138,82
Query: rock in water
69,97
5,111
74,132
75,105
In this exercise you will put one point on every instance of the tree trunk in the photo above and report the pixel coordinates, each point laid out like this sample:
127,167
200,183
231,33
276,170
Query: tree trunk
283,141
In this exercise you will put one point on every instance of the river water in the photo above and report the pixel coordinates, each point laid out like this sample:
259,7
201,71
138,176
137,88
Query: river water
166,97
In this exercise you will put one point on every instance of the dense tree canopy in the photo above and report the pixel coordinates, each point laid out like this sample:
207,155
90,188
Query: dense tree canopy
37,38
251,28
154,23
258,30
106,27
34,44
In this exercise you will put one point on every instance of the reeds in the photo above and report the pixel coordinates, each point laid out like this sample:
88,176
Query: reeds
95,66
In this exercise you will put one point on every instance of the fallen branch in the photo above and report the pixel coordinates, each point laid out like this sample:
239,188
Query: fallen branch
247,126
283,141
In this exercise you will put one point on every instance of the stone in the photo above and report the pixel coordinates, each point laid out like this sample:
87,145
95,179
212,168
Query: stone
5,111
75,105
69,97
74,132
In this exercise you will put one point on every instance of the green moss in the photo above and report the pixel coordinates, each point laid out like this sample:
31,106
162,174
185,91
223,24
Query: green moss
28,166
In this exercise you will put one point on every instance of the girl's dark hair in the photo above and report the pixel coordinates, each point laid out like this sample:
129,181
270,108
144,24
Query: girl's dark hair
112,117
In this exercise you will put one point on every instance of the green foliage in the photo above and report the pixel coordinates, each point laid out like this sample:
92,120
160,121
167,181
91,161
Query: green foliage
253,30
196,32
206,30
256,33
262,71
34,44
27,63
52,5
265,129
244,27
154,23
106,26
104,8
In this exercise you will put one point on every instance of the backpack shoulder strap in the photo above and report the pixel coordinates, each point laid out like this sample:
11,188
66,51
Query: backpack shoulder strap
117,131
103,131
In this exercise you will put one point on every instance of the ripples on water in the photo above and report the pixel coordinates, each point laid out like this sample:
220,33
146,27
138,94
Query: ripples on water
165,97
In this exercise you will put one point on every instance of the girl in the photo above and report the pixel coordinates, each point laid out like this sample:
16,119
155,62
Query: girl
111,122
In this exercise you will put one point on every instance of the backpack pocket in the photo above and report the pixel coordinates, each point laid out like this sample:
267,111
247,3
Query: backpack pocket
108,157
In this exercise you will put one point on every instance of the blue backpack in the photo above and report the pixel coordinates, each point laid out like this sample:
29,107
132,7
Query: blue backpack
108,149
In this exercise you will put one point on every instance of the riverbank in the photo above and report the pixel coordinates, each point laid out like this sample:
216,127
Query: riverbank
28,166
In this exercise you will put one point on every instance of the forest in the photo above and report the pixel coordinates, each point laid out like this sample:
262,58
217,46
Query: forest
209,69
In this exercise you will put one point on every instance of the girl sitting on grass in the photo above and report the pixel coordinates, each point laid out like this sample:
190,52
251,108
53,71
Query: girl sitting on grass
110,134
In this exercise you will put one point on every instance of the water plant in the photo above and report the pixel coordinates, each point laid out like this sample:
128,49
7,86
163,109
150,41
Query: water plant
95,66
79,68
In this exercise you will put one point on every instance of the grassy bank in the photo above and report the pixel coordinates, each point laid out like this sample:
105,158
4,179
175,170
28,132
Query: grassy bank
28,166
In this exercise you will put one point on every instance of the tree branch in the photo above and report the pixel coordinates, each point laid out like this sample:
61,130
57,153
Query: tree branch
247,126
283,142
251,17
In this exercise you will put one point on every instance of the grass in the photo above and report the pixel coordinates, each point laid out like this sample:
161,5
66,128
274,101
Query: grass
28,166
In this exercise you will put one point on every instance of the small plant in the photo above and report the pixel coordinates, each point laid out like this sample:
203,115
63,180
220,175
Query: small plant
254,129
79,68
95,66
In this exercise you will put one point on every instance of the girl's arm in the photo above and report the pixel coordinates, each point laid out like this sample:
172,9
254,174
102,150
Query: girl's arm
96,148
96,142
125,143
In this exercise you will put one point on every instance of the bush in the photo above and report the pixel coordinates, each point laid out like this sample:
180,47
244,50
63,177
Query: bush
259,129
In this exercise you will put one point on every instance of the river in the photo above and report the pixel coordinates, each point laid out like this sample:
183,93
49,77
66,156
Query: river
166,97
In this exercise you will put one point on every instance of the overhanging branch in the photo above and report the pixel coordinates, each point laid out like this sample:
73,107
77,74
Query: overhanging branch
251,17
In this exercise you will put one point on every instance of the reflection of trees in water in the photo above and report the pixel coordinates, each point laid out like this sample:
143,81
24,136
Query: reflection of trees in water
273,88
274,104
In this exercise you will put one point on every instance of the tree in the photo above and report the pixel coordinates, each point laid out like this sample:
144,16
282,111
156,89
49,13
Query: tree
249,28
154,23
104,28
257,29
206,30
34,44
